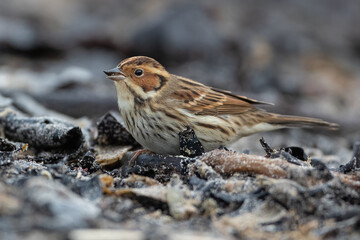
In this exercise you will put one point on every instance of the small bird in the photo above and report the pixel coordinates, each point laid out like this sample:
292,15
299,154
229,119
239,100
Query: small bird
156,105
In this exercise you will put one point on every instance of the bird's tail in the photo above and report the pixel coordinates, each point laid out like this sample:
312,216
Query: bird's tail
296,121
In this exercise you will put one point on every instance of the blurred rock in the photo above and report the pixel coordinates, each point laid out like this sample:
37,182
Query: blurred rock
17,33
9,203
33,108
67,210
181,205
89,189
4,102
183,30
42,82
94,234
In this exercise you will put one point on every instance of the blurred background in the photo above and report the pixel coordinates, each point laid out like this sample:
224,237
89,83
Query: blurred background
302,55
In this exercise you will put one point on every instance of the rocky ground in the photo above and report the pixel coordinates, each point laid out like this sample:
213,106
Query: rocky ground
64,154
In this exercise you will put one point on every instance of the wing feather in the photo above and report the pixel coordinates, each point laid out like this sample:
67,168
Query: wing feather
202,100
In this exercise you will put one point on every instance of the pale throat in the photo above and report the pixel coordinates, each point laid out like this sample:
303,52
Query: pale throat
125,98
127,92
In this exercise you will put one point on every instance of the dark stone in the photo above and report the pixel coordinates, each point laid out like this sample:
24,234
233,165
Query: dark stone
297,152
89,163
156,166
5,146
111,132
190,146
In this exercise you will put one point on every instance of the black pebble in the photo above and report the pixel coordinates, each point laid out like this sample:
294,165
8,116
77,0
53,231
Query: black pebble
190,146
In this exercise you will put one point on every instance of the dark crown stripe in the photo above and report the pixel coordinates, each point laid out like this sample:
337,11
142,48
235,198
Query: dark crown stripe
142,60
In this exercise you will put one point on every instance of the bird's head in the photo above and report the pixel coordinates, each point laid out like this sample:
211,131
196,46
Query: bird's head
143,75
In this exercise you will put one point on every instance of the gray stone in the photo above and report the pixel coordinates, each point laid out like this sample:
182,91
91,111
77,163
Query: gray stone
64,209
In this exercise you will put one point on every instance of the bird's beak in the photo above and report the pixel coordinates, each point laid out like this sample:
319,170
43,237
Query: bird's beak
115,74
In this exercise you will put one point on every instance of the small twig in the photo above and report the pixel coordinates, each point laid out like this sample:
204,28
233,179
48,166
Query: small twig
266,147
356,156
285,153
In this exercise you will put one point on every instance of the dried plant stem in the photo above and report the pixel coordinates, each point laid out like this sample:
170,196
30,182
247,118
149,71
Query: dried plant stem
227,163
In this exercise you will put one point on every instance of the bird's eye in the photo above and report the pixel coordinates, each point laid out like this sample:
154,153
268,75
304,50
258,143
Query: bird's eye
139,72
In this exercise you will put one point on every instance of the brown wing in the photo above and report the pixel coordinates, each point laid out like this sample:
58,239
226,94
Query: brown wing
202,100
243,98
